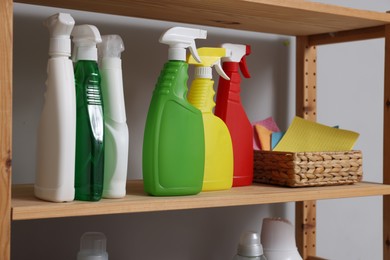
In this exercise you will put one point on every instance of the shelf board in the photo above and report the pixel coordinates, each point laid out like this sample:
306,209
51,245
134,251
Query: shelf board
288,17
26,206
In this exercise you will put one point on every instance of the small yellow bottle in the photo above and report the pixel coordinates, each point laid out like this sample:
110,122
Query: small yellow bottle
218,169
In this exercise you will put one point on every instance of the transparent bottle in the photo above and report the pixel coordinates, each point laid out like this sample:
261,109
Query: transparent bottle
249,247
93,246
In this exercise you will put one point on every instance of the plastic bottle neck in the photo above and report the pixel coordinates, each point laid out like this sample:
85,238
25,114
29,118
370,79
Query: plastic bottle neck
175,53
201,94
110,63
59,47
86,53
230,66
203,73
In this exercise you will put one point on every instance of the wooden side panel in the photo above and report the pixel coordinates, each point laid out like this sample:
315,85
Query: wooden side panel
306,69
6,14
386,148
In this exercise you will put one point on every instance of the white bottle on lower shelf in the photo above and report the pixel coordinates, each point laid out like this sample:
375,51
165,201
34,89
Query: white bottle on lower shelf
278,238
93,246
249,247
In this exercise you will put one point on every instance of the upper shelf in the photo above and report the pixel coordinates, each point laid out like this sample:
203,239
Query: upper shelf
26,206
288,17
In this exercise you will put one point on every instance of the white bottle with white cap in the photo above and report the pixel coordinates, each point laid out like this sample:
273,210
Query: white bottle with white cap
278,238
57,127
116,147
249,247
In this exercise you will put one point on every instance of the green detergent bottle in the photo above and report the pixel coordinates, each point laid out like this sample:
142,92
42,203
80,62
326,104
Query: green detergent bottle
89,167
174,148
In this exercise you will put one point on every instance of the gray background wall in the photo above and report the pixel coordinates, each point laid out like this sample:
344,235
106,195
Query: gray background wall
350,94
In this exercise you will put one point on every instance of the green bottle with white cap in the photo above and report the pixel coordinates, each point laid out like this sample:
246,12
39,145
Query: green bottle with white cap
89,167
173,148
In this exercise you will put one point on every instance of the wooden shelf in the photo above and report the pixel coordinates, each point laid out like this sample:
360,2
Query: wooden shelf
26,206
288,17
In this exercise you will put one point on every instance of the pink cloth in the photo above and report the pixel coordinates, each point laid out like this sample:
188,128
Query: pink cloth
268,123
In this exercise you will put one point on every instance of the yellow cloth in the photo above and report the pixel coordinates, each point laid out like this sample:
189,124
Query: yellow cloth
307,136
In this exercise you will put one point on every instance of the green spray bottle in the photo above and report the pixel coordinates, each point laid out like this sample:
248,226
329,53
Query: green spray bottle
173,148
89,167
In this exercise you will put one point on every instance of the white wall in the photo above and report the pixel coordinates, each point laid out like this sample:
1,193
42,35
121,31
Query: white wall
347,229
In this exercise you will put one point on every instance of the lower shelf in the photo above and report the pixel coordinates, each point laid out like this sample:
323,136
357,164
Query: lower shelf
26,206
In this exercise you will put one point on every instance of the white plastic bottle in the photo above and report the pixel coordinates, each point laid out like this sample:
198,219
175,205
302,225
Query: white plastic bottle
57,126
278,238
93,246
116,132
249,247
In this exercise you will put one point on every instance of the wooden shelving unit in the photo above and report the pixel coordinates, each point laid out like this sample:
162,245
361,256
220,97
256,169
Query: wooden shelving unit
312,23
25,206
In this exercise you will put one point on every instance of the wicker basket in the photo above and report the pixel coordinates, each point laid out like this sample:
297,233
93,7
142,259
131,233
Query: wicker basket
307,168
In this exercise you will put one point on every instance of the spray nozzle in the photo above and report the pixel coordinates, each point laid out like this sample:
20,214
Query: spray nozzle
210,57
180,38
60,27
111,46
238,54
85,38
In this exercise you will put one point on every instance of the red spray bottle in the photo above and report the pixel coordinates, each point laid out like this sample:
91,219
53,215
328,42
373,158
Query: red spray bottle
229,108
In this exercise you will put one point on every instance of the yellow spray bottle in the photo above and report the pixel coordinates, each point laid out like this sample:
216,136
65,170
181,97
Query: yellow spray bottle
218,168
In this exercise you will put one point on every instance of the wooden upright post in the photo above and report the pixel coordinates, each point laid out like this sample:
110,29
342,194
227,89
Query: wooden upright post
386,147
6,37
306,74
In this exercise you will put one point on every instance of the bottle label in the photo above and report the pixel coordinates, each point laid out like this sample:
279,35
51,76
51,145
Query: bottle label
95,111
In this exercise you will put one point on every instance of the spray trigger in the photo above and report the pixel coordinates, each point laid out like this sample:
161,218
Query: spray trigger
243,65
194,52
237,54
220,71
210,57
244,68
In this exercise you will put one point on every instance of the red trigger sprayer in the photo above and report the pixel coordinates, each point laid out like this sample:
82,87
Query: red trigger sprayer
229,108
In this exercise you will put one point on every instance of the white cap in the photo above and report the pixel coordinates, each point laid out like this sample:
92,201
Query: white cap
85,38
60,27
111,46
237,51
93,246
250,245
206,72
180,38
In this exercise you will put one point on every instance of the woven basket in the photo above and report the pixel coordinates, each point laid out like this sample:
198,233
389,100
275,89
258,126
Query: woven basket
307,168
